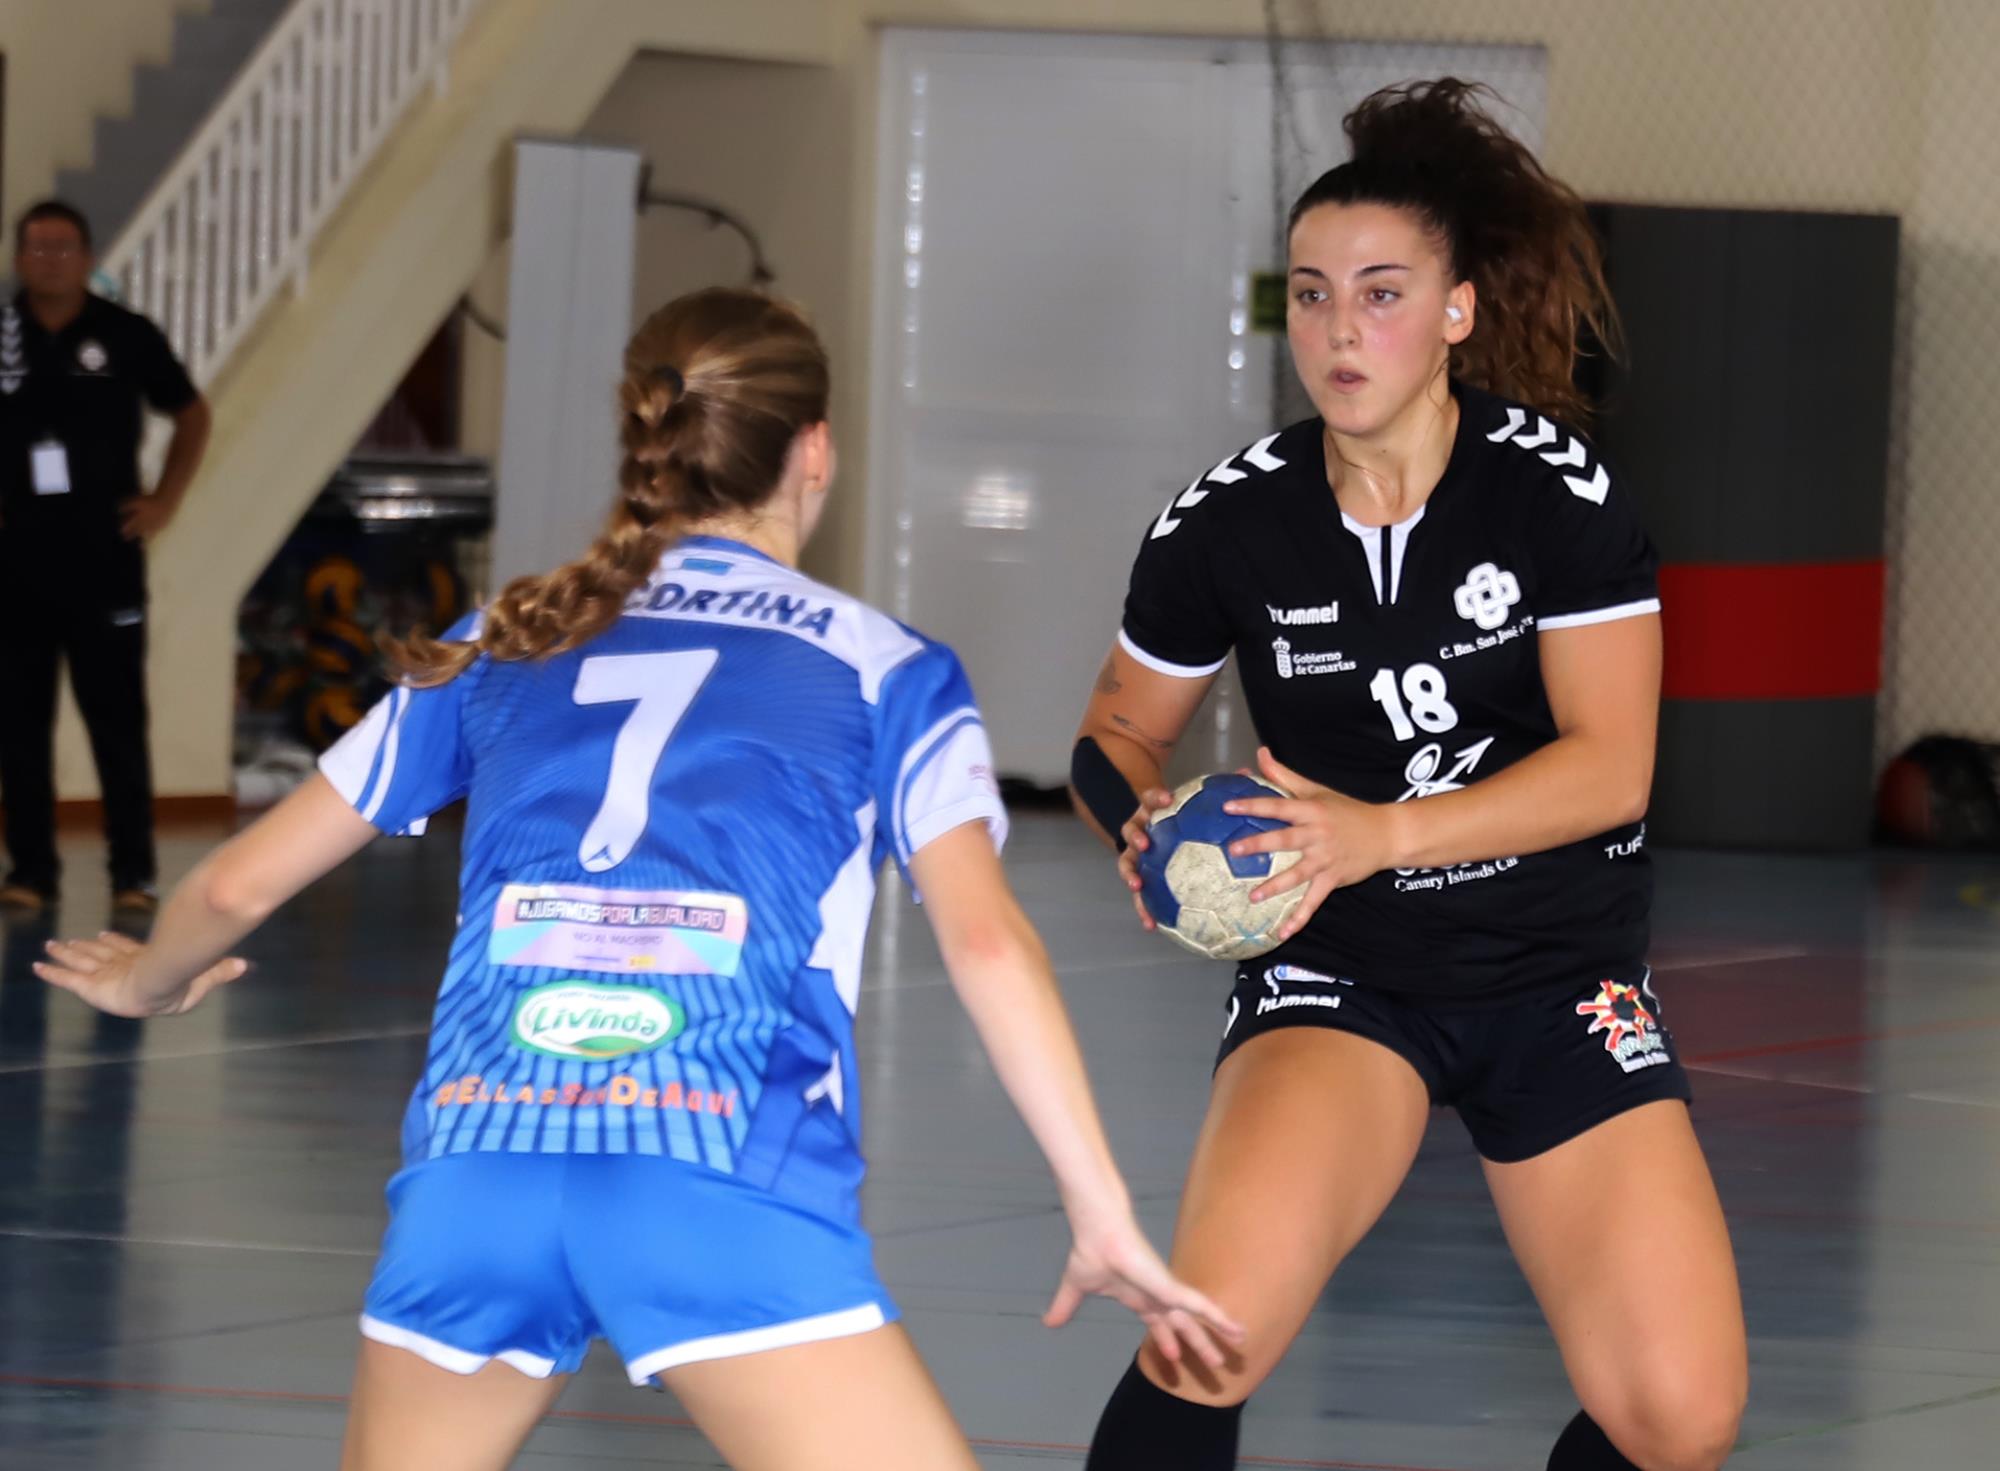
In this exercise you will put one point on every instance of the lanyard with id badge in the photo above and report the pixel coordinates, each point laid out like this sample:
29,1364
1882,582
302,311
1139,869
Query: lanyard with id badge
50,464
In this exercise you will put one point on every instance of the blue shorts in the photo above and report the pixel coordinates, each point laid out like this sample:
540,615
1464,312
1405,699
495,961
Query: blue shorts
526,1258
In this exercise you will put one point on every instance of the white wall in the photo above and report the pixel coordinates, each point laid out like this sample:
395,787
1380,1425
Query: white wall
766,140
1061,338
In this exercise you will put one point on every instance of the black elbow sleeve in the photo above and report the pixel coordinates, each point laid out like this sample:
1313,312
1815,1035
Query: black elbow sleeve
1102,789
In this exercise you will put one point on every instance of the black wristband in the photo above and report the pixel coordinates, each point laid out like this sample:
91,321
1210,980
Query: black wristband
1102,789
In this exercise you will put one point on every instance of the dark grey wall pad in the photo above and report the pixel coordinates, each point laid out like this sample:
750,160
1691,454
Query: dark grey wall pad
1752,415
1785,774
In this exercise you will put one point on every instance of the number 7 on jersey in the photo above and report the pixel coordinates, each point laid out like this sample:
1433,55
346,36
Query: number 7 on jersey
660,689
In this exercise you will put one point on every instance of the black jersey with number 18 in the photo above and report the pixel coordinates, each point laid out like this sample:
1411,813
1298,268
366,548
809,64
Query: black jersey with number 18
1394,663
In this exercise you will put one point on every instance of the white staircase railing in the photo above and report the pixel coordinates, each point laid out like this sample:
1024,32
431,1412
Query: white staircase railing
232,220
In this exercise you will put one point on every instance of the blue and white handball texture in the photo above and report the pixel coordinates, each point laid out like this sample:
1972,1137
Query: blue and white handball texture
1197,892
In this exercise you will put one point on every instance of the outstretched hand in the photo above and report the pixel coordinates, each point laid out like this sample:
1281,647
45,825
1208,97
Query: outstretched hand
102,972
1116,1261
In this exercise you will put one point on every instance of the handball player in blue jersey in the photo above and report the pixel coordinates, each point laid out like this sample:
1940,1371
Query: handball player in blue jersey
683,763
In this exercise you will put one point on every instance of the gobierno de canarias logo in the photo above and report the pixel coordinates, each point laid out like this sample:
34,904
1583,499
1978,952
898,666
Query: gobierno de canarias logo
595,1023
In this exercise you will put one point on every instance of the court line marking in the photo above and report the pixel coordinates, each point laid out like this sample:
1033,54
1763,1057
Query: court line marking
56,1234
1731,957
274,1044
1959,1099
1851,1039
383,1034
933,975
606,1417
193,1243
1756,1077
1809,1432
1968,1101
191,1391
1815,1217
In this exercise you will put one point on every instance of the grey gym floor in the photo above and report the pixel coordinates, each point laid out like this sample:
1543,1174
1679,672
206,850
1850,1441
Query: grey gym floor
188,1208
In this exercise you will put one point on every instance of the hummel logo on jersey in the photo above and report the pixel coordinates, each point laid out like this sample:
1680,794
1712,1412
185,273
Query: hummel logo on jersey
1258,455
1292,974
1487,595
1325,613
1572,454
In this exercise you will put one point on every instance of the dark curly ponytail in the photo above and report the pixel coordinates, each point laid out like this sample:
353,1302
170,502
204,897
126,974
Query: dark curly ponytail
1519,236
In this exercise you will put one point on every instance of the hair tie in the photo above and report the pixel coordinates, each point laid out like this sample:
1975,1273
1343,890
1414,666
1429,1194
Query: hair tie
671,376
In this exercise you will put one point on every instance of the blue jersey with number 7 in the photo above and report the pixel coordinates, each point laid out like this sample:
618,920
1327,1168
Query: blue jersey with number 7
670,848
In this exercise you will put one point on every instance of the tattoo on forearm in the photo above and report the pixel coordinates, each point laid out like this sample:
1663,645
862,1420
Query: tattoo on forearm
1107,682
1154,741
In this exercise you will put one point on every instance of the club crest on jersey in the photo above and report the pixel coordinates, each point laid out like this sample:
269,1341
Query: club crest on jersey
1631,1035
92,357
1487,596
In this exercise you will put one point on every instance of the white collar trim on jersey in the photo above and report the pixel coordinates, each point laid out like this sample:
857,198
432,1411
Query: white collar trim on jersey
1371,542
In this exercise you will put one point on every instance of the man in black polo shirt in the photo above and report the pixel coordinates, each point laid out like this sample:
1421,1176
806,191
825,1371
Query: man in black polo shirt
76,376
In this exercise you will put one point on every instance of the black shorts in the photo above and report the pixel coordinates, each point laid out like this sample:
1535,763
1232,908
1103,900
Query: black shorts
1525,1073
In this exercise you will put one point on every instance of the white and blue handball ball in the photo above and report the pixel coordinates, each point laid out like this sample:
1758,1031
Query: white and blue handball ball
1195,890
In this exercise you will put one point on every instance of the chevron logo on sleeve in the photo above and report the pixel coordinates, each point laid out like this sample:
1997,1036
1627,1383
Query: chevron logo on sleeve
13,364
1572,455
1258,457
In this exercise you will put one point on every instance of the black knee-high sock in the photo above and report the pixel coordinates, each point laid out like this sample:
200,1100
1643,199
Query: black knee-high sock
1583,1447
1146,1429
